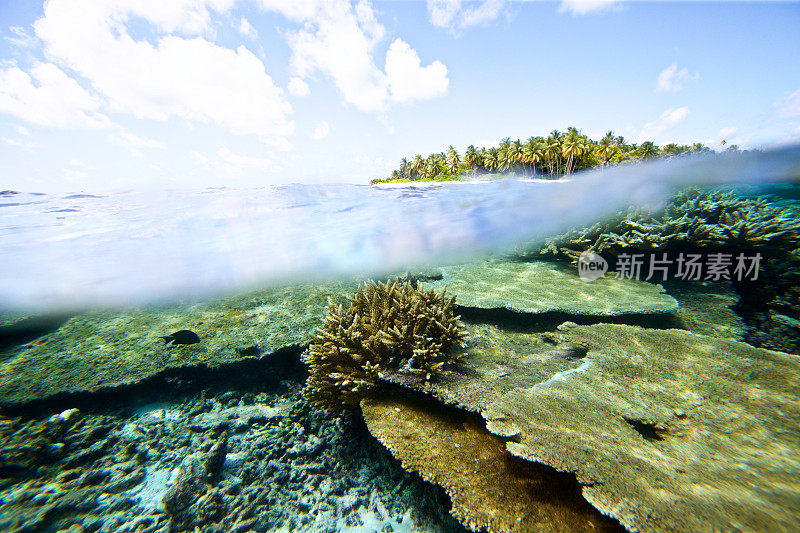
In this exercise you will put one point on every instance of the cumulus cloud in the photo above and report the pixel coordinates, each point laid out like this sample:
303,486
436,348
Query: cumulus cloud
321,131
48,97
185,77
653,131
582,7
339,40
408,80
671,79
789,106
298,87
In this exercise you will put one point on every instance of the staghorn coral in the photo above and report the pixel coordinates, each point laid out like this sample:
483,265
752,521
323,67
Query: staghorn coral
693,220
388,325
702,221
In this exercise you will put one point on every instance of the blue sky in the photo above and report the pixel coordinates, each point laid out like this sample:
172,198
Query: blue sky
121,94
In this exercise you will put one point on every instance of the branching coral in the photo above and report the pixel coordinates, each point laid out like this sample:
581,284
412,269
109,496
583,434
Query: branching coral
388,325
698,221
695,220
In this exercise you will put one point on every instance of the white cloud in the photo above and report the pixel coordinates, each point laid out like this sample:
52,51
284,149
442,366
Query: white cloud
189,78
48,97
653,131
296,10
341,48
486,11
338,40
672,79
724,133
21,37
408,80
22,130
453,13
19,144
298,87
582,7
321,131
245,28
789,106
443,12
133,143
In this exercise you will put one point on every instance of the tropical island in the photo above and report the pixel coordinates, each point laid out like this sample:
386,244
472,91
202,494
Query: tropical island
559,154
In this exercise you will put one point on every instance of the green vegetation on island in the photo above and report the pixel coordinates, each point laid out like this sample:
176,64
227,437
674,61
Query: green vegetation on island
556,155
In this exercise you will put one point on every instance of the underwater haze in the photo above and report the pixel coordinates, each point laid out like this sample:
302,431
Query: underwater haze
74,251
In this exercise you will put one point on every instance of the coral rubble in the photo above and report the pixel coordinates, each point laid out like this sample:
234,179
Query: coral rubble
160,463
388,325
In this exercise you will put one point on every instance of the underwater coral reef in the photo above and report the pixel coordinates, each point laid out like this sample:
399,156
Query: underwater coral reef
388,325
703,221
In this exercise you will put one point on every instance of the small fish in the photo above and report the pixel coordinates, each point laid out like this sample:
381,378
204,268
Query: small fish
183,336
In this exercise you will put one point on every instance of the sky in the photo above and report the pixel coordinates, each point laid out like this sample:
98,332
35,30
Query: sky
99,95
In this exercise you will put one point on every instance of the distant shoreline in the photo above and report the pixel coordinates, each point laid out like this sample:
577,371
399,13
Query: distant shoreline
429,183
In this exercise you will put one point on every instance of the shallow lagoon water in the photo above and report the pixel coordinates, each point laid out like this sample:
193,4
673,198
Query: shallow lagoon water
73,250
105,428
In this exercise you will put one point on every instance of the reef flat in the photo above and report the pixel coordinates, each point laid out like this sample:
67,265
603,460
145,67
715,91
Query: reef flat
540,287
98,350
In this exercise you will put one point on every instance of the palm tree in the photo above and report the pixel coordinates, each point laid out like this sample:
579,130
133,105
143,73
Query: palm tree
471,157
606,148
572,148
491,159
504,160
482,155
405,168
452,160
417,165
554,151
515,155
648,150
671,150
